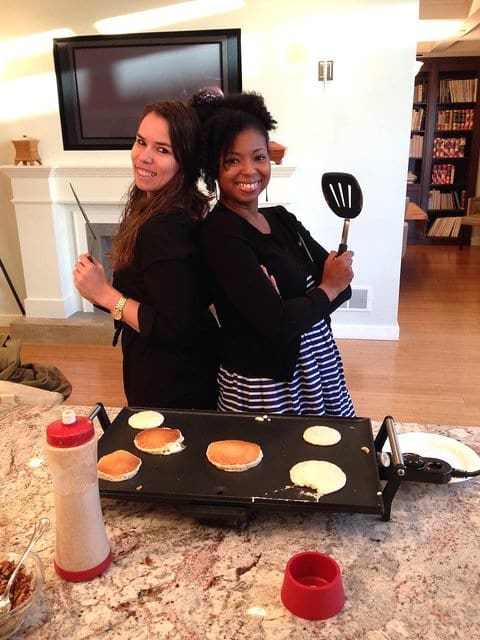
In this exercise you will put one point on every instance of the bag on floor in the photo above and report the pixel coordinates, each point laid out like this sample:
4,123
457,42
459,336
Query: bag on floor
33,374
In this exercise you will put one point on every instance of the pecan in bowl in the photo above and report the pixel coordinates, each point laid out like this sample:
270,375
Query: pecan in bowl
24,592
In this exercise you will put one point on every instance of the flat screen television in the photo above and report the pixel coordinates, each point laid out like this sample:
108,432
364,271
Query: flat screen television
105,81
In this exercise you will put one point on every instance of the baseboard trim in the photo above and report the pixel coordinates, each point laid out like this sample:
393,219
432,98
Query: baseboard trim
366,332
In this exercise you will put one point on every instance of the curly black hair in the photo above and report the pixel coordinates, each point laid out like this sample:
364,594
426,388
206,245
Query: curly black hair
223,118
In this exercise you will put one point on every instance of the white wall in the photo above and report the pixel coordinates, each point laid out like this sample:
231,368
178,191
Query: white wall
358,123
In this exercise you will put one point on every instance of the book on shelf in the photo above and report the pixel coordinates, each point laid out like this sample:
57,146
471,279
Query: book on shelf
447,201
449,147
448,227
420,91
443,173
462,90
455,119
416,146
417,118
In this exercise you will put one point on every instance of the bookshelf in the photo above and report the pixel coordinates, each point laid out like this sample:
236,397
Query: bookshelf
444,141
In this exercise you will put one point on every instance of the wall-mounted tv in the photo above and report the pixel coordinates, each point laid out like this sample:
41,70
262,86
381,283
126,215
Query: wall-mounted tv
104,82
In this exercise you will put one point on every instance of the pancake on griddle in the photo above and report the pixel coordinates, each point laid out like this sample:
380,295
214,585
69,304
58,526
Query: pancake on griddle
321,436
234,455
321,476
118,465
146,419
159,441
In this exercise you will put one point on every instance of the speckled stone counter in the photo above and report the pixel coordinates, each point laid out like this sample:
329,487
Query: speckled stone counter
416,576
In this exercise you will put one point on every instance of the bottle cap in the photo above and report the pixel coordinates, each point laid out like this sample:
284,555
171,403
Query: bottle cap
70,431
69,416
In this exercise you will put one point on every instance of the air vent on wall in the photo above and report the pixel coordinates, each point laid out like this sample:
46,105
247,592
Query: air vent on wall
360,300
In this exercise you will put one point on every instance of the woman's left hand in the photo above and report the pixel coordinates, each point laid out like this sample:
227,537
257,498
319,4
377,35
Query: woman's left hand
272,280
90,279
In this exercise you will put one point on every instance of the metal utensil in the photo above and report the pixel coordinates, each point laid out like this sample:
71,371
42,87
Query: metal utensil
42,525
344,197
82,210
90,228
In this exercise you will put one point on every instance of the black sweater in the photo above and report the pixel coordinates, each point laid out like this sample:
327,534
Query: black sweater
260,329
171,361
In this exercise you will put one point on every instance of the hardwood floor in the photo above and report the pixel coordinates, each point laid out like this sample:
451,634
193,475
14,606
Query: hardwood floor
431,375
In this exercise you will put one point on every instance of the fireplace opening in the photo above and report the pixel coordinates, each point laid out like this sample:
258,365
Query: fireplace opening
99,248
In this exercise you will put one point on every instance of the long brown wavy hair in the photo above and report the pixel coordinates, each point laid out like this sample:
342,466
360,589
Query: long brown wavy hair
181,193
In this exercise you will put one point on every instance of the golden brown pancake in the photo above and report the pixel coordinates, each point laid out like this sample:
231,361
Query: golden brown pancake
146,419
234,455
159,441
118,465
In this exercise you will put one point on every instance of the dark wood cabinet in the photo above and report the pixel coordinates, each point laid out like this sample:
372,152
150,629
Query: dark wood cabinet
445,136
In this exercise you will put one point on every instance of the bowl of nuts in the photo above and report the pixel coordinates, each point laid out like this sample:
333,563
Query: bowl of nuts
24,592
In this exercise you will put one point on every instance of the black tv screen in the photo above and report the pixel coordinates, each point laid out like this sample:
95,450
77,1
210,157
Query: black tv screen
104,82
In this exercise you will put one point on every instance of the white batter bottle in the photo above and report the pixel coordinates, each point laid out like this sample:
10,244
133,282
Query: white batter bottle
82,550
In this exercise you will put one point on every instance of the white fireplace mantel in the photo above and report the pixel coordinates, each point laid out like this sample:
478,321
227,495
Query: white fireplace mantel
52,231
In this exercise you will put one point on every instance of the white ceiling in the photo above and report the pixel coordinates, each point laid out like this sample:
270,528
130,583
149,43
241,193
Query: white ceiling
466,42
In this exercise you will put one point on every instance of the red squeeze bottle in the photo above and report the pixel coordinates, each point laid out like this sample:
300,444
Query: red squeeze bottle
82,550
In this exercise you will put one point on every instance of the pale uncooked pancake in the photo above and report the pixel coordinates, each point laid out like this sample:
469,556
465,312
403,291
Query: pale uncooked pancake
159,441
146,419
322,476
118,465
322,436
234,455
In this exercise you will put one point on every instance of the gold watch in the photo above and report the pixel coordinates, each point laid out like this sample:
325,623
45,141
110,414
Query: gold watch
117,311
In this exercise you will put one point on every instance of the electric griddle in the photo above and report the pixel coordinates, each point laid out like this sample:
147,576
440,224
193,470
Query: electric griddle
189,482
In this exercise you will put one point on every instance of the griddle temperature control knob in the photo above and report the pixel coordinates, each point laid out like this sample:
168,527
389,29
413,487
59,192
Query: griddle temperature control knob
413,461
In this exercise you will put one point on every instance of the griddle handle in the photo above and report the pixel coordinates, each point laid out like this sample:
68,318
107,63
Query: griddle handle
388,430
99,412
396,472
397,457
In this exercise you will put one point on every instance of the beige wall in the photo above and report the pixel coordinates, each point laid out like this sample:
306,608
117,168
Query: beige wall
359,123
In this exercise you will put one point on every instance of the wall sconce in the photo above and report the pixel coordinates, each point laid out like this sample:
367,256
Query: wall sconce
325,71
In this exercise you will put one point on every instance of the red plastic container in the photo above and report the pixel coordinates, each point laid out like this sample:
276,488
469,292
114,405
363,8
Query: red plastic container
312,587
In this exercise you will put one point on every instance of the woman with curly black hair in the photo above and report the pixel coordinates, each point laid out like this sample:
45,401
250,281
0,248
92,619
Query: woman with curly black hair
159,297
275,287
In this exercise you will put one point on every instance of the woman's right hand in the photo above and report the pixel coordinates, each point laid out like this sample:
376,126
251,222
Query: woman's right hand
337,273
90,279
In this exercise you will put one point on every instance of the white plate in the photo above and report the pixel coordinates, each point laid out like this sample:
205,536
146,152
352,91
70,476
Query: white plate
433,445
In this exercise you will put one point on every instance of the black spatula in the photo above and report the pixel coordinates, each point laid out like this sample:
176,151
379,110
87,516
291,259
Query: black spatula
344,197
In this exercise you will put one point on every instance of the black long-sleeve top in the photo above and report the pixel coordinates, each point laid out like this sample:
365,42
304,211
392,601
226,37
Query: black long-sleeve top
261,329
171,361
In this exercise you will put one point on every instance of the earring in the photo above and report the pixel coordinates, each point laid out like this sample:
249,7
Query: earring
266,194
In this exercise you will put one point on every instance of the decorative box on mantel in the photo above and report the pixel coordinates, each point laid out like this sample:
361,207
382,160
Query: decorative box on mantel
52,231
26,151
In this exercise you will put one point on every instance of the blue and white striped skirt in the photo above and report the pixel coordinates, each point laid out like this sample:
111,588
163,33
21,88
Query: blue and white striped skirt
317,387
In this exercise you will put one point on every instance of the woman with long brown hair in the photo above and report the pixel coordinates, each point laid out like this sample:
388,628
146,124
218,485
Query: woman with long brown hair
159,296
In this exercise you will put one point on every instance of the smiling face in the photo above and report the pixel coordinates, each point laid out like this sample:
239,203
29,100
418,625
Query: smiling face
153,161
244,171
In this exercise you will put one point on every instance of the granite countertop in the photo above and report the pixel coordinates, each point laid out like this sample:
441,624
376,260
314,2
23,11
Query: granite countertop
173,578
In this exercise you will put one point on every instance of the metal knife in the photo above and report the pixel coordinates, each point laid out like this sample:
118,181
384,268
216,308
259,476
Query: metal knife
82,210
